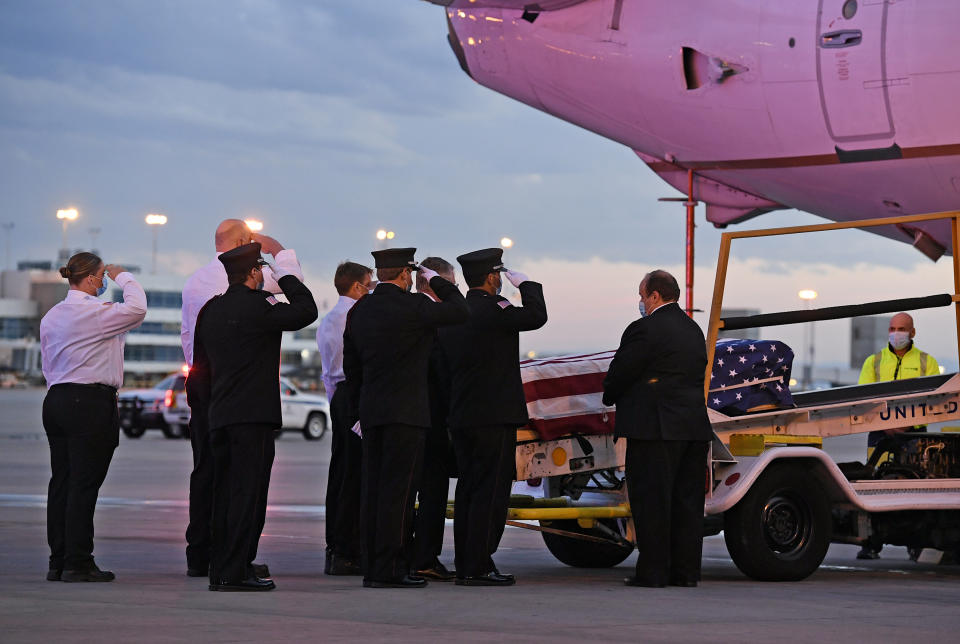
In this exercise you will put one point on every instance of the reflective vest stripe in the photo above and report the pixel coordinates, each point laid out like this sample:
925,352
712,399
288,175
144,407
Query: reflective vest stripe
878,356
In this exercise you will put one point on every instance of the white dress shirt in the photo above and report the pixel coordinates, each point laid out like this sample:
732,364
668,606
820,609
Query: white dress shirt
330,344
211,279
81,337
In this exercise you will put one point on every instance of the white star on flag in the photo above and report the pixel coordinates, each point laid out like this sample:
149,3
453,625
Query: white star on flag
716,401
743,359
752,347
732,373
739,396
764,358
720,362
729,349
779,388
773,348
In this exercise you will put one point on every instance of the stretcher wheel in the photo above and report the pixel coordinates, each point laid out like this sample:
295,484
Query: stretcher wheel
780,530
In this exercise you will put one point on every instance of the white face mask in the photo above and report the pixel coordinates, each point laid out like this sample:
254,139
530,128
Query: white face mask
899,339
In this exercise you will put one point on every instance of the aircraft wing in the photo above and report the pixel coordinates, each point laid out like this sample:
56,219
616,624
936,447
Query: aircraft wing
519,5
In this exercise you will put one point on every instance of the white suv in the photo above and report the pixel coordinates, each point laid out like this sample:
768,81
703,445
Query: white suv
304,412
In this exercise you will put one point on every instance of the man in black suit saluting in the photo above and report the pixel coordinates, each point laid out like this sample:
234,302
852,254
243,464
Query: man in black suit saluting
236,368
487,406
656,382
386,351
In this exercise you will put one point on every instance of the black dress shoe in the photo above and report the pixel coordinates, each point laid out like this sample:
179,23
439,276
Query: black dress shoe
489,579
260,570
684,583
436,572
494,570
91,574
642,583
406,582
54,574
250,584
343,566
198,572
327,560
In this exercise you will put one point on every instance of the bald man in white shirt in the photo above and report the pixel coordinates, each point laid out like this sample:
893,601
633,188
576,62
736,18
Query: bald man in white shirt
205,283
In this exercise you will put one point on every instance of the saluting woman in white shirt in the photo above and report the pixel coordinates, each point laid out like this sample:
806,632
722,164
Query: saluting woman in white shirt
81,341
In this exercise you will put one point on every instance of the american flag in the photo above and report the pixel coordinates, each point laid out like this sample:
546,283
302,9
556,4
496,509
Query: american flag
748,374
564,394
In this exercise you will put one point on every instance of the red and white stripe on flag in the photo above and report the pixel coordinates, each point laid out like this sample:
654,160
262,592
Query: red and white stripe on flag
565,394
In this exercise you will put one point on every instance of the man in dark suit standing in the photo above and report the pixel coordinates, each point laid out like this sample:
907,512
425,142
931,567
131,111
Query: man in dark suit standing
236,366
487,406
656,382
386,349
438,461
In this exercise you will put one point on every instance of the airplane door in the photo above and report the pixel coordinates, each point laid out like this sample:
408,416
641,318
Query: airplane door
851,69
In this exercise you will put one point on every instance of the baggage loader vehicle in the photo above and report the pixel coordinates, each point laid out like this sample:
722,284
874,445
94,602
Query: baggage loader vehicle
778,498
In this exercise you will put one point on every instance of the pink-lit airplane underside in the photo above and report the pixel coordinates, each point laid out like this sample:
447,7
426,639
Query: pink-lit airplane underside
840,108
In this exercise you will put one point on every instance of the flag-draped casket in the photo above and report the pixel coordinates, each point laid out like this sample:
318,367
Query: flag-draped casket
564,393
750,375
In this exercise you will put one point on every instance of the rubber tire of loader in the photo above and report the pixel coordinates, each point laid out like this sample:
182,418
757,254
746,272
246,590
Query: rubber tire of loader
780,530
584,554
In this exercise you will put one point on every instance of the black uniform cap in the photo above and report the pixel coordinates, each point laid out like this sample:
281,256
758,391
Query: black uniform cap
394,258
481,262
242,258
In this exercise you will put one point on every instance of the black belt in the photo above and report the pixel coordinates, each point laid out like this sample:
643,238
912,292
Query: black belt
94,385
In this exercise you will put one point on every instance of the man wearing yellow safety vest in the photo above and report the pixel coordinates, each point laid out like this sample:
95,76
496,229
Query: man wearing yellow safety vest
899,360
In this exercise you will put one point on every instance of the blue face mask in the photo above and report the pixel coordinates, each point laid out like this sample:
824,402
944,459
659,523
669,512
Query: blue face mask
643,309
103,285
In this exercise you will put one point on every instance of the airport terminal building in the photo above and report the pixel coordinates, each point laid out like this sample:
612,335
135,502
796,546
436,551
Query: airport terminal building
152,350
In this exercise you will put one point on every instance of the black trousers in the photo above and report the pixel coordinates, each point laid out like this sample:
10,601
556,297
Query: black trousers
392,455
201,489
486,460
432,495
344,480
242,460
665,484
83,429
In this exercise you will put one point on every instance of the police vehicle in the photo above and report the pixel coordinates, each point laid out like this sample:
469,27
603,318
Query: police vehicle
164,406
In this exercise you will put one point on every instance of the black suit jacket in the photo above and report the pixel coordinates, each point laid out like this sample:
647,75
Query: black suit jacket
438,383
236,363
484,358
386,350
656,379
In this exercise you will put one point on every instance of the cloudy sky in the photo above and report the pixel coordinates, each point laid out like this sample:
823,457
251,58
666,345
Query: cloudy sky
329,120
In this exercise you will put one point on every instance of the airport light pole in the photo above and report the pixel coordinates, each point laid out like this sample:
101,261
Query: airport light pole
155,220
94,233
808,296
8,233
66,215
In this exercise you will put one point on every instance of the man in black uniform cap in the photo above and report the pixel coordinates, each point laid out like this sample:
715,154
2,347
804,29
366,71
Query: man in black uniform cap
386,349
236,366
486,408
438,461
656,382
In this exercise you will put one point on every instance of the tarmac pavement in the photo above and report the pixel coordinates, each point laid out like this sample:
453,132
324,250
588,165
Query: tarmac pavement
143,512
